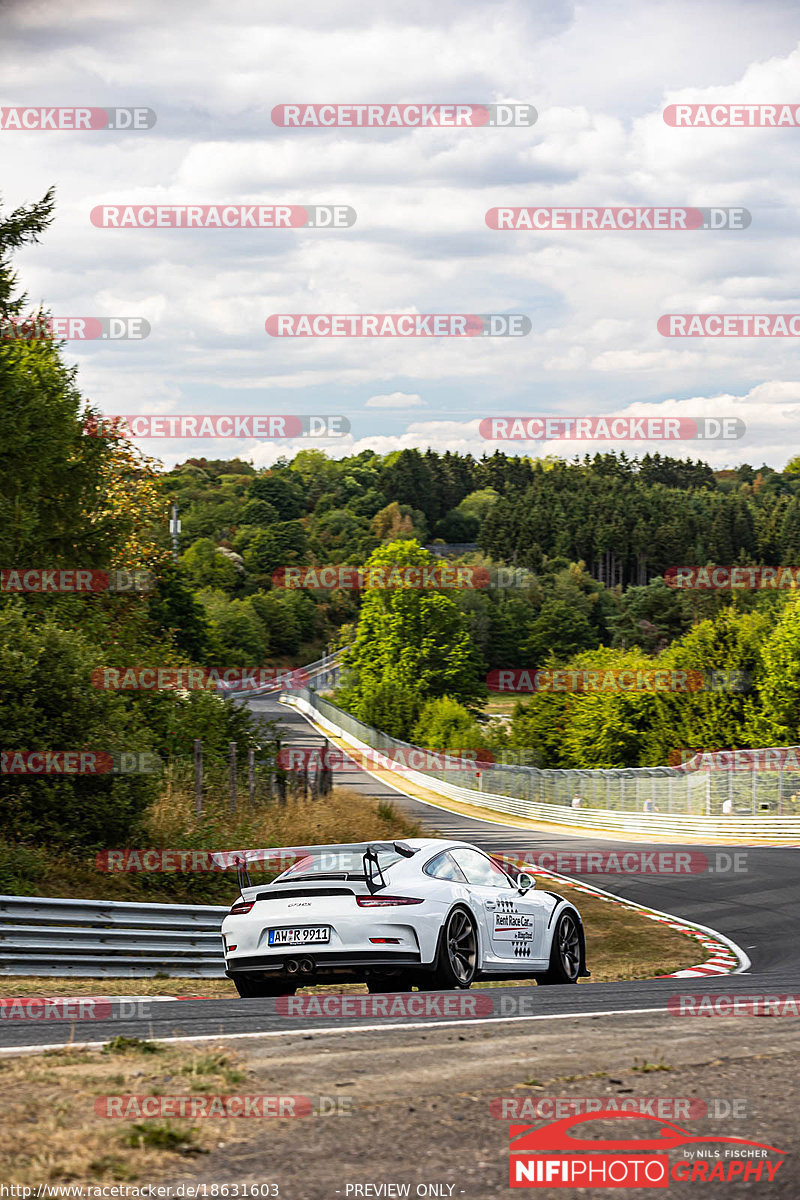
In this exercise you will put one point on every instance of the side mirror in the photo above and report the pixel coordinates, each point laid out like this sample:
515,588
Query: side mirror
525,882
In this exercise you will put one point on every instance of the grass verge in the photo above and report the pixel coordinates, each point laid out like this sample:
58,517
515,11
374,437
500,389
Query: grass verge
47,1104
342,816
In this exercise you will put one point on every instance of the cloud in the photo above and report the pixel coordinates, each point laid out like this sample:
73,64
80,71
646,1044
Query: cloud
395,400
420,242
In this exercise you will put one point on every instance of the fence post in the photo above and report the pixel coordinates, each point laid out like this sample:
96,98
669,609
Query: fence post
251,776
780,791
198,777
232,774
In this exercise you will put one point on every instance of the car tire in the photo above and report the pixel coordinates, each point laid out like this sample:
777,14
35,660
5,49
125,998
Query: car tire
457,955
249,989
565,952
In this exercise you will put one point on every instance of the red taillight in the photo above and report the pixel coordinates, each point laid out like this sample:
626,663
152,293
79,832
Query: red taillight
241,907
386,941
385,901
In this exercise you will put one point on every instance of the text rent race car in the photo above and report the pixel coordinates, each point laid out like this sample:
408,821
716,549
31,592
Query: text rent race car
425,912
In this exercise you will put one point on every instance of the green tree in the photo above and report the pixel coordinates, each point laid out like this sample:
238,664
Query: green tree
207,567
444,724
410,641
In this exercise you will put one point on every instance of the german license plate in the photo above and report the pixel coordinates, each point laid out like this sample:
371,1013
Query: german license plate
299,936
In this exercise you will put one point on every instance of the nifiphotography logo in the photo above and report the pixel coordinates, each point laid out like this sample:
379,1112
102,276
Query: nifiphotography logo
552,1156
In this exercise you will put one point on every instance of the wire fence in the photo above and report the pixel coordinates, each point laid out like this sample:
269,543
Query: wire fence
705,786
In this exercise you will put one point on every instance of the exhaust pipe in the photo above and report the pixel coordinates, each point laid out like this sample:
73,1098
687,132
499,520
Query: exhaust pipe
292,966
307,965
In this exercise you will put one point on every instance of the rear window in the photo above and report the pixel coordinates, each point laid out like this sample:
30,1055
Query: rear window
344,864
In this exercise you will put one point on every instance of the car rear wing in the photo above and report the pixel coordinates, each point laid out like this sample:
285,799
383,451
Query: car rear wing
373,873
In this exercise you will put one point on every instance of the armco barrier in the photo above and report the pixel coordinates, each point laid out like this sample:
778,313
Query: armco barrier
734,827
323,673
102,938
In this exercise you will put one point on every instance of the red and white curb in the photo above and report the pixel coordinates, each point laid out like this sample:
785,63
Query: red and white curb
726,957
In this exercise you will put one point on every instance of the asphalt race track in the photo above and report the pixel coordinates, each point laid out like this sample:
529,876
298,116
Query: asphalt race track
758,909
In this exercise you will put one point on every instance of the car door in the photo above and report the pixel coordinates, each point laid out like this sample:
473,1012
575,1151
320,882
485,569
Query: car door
513,924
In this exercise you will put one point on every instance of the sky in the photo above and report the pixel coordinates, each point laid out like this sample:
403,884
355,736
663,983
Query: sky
599,76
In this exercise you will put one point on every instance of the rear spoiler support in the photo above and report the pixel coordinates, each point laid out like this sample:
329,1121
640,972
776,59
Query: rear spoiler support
242,874
372,867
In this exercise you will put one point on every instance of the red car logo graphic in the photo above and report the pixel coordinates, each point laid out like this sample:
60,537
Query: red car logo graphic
556,1136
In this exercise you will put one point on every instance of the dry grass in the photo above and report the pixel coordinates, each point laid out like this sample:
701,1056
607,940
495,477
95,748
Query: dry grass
342,816
48,1102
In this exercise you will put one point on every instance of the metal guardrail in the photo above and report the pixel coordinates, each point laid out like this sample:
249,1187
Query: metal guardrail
111,939
323,673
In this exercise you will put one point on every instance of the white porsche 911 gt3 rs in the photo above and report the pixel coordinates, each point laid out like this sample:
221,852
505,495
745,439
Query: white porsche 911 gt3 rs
425,912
